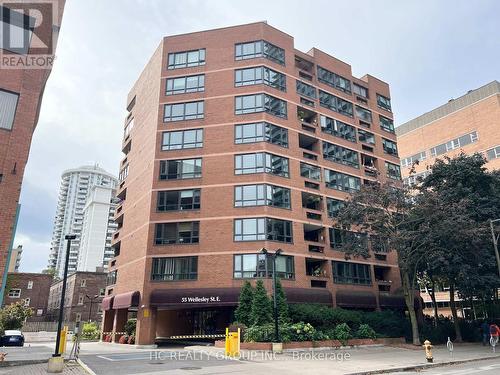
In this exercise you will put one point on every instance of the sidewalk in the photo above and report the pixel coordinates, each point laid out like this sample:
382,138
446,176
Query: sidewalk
41,369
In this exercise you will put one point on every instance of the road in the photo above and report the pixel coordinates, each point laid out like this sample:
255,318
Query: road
487,367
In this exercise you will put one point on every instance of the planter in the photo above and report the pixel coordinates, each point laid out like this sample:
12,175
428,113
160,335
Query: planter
131,340
277,347
123,339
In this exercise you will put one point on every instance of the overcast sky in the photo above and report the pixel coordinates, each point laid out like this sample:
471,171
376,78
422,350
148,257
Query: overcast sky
427,50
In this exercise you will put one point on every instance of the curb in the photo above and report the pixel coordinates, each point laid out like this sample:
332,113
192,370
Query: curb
422,367
85,367
22,362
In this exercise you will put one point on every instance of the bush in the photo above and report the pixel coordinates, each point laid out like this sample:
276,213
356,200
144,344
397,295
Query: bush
14,315
233,327
342,332
288,332
130,326
261,312
365,332
245,301
90,331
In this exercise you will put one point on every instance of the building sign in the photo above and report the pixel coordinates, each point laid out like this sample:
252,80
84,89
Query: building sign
210,299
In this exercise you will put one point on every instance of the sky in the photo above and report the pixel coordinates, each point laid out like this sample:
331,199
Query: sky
429,51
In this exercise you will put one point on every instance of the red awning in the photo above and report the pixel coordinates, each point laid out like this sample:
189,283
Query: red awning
356,299
303,295
126,300
107,303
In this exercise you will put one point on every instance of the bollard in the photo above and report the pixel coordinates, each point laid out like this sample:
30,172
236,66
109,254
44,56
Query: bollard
494,342
449,345
428,351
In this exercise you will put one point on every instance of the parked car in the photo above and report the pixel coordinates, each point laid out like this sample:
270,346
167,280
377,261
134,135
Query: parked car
12,337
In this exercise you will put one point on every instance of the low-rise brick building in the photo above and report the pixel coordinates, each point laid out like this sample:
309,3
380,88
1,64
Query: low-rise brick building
30,288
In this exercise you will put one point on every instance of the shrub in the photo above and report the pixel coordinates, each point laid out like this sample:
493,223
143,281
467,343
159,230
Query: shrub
261,312
90,331
130,326
365,332
342,332
233,327
244,309
281,303
14,315
288,332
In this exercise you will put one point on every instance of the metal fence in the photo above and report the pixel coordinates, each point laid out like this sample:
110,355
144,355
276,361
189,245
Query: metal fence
45,326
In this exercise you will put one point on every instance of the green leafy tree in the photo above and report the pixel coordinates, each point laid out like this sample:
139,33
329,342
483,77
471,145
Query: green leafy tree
14,315
281,303
244,310
261,312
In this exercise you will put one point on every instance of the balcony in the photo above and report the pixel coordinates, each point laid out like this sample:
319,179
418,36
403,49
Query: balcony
314,233
312,201
316,268
369,164
311,145
305,67
308,119
382,278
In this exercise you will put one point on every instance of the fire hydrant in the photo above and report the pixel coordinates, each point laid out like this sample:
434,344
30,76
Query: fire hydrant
428,350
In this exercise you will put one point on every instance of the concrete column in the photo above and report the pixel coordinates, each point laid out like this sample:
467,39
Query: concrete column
119,322
145,333
107,323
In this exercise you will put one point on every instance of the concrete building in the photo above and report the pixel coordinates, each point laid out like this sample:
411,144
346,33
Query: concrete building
21,92
76,188
236,141
84,293
97,230
15,259
469,124
32,289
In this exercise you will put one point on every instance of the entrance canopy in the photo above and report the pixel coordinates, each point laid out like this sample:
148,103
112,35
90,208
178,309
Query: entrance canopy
107,303
356,299
126,300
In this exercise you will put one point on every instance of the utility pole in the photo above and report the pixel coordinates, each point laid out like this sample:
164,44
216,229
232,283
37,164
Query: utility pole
495,243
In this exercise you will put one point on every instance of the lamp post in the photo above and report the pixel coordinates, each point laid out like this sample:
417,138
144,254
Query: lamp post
91,299
275,304
69,238
495,243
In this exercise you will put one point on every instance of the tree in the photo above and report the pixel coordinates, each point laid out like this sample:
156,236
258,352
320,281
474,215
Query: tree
245,301
281,303
14,315
261,312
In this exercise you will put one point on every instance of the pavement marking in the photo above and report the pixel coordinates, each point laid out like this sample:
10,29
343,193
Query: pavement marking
134,356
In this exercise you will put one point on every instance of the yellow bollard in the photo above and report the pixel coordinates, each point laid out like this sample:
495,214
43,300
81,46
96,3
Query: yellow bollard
62,343
232,345
428,351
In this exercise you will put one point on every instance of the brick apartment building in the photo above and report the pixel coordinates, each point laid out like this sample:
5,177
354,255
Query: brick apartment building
32,289
21,92
84,293
236,141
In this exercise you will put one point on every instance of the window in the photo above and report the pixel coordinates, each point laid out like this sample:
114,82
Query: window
258,265
177,233
335,103
128,128
259,48
360,90
416,178
184,111
341,181
340,238
15,293
175,200
339,154
333,206
83,283
493,153
379,244
258,75
260,132
111,278
334,80
337,128
123,173
261,162
386,124
183,85
170,269
27,302
306,90
8,105
180,169
390,147
383,102
310,171
102,292
30,285
393,171
78,317
186,59
261,195
183,139
351,273
408,162
454,143
262,229
80,299
364,114
260,103
366,137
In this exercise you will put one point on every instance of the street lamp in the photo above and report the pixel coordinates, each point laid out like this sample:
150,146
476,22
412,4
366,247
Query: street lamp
275,304
495,243
69,238
91,299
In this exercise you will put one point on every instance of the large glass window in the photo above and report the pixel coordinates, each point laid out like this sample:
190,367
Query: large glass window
258,75
183,111
390,147
306,90
259,132
261,195
335,103
333,206
384,102
360,90
386,124
260,103
186,59
351,273
260,229
393,171
310,171
180,169
182,139
178,268
258,265
363,114
339,154
175,200
182,85
259,48
177,233
454,143
341,181
338,128
493,153
340,238
261,163
8,105
366,137
334,80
